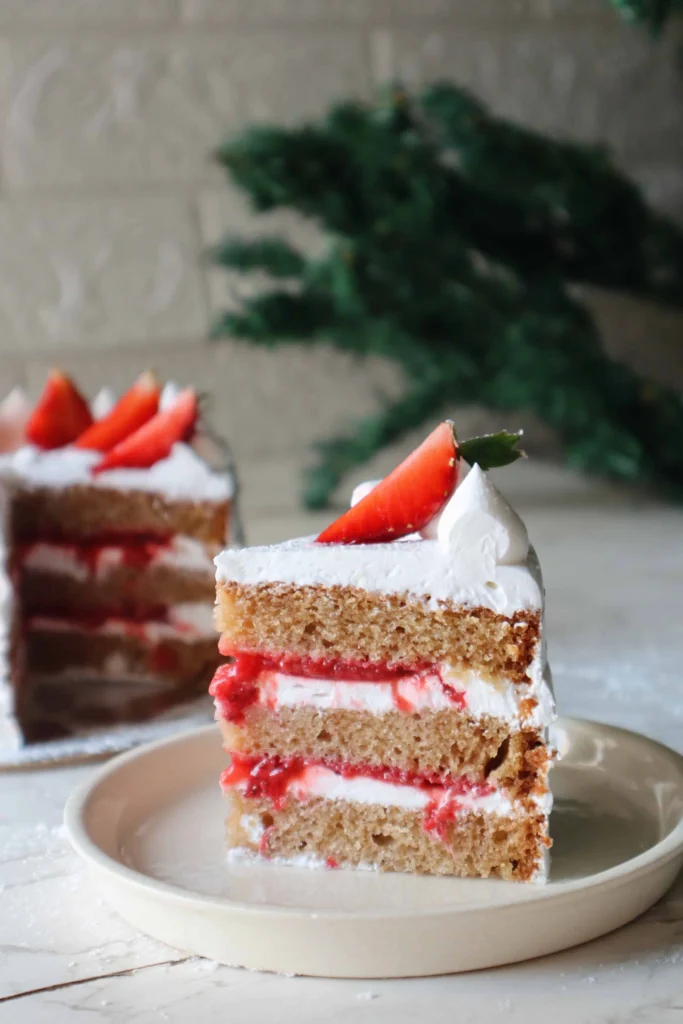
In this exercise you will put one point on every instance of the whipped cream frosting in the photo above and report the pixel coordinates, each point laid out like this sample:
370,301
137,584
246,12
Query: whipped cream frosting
319,781
183,474
181,552
476,552
478,524
103,403
362,490
507,701
185,622
169,393
417,566
277,690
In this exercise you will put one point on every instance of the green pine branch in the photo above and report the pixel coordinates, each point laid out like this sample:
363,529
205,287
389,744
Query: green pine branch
454,240
271,255
653,13
579,216
275,318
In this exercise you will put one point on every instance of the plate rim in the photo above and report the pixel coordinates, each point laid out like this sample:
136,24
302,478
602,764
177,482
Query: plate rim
659,854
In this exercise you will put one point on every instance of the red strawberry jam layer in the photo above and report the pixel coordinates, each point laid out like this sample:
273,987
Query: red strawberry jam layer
234,689
272,779
159,633
142,627
244,682
135,552
251,665
267,778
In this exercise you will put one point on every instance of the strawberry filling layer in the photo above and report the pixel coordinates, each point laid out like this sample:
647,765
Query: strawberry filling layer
102,622
251,665
438,796
277,681
159,620
135,552
160,634
268,778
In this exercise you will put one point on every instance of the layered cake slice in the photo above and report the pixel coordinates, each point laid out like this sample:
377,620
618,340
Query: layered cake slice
388,698
111,526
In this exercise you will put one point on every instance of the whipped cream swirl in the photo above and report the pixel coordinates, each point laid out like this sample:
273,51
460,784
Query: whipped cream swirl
478,524
362,491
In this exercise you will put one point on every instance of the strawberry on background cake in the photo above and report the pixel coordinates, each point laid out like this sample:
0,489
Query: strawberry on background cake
388,701
113,512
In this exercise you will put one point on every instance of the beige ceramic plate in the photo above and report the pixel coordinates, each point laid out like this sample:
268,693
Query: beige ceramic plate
150,825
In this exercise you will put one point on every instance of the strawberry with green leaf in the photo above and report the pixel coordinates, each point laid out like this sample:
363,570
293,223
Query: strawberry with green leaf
416,491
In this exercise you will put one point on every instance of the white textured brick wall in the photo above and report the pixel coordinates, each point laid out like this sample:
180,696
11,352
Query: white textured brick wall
107,194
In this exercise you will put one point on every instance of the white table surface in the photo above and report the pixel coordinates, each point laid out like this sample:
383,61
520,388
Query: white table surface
613,567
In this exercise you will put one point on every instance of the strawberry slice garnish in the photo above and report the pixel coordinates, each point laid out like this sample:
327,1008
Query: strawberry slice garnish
61,413
132,410
416,491
155,438
405,500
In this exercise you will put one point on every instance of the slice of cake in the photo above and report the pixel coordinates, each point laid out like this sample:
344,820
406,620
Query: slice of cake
111,526
388,700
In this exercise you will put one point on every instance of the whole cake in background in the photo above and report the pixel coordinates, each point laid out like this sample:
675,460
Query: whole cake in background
388,701
112,516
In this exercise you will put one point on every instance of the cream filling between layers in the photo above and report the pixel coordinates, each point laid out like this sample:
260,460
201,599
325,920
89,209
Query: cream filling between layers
319,781
422,693
116,669
414,694
182,552
185,622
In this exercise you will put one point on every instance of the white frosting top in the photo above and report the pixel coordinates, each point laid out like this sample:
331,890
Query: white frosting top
475,552
182,475
420,567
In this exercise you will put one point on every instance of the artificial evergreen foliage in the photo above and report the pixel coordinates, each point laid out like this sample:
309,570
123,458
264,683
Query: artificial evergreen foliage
654,13
455,239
